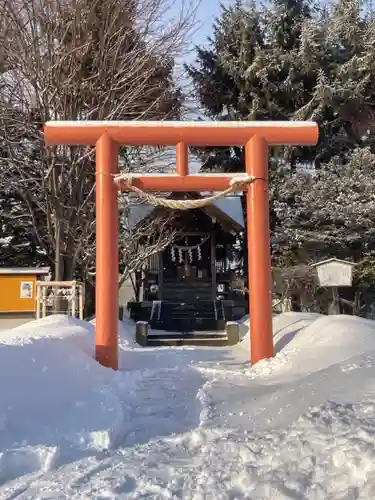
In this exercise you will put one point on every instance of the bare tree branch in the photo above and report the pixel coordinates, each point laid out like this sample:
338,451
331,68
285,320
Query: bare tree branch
76,60
140,243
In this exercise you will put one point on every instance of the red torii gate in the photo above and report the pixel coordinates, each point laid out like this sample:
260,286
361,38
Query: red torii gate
107,136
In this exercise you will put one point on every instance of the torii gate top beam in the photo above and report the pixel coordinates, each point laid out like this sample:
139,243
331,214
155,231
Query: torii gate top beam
168,133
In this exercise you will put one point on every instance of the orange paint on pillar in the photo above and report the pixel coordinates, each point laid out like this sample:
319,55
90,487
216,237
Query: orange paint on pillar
258,248
107,272
182,159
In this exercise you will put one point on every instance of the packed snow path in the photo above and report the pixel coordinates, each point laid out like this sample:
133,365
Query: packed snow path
189,423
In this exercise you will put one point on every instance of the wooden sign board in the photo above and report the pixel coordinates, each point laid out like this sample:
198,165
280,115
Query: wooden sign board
335,272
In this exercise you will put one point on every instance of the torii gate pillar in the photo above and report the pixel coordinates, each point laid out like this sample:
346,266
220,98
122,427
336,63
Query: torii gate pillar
256,137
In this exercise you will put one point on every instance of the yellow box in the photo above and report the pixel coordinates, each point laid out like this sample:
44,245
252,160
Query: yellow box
17,289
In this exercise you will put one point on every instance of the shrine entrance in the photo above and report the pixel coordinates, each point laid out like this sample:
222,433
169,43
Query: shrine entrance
256,137
187,269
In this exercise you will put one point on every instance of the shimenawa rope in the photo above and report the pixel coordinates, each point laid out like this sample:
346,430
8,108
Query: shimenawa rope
235,184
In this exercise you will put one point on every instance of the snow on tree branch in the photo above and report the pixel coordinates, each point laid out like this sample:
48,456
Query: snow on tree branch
72,60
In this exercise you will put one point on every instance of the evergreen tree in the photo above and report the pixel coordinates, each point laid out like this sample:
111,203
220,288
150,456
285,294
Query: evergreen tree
294,60
290,61
328,212
250,71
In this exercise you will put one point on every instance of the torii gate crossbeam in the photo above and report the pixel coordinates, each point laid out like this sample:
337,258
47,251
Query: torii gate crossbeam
107,136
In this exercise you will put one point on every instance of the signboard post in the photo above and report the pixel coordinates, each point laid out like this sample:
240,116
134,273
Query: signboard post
334,273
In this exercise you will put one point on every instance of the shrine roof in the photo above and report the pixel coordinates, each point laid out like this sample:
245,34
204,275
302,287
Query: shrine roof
229,206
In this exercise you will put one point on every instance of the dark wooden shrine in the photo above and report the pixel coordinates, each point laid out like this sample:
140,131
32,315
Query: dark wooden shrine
188,286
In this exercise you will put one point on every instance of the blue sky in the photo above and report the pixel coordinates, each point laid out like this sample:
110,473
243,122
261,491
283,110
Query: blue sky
207,12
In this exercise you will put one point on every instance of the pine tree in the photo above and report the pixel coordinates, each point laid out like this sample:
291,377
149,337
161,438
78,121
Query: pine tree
297,61
250,70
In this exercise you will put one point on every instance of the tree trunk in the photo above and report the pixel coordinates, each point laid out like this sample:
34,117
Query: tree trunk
89,309
68,271
58,263
59,306
357,302
63,271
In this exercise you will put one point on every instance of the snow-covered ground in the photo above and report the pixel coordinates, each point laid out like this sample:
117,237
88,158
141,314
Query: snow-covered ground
189,423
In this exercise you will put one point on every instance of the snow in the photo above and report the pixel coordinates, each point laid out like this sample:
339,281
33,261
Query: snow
184,124
126,331
189,423
6,240
229,205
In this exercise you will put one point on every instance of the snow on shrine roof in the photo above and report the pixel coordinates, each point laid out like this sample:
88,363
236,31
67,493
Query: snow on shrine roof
26,271
230,205
138,213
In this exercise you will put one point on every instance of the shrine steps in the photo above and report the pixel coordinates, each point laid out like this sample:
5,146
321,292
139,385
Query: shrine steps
175,316
189,321
228,337
193,291
193,341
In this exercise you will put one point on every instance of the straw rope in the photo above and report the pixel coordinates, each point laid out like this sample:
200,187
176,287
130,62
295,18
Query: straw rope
235,185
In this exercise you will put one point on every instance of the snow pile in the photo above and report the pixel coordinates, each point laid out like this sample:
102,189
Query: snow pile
309,342
189,423
312,438
74,331
126,332
54,396
285,327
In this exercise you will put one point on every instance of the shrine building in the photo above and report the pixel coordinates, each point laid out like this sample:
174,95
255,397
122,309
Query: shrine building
190,285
